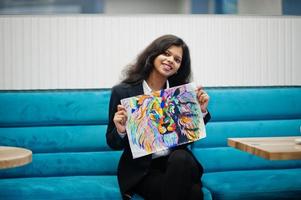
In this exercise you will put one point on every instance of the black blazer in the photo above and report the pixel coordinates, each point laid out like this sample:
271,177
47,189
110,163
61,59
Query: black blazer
130,171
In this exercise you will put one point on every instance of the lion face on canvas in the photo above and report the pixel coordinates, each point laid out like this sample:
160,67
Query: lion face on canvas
165,120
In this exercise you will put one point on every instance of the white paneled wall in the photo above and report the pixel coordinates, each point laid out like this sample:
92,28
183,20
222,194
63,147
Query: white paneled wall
90,51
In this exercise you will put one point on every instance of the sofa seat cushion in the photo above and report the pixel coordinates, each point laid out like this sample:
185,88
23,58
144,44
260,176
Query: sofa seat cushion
65,187
254,184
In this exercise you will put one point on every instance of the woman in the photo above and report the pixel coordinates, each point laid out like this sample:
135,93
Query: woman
171,174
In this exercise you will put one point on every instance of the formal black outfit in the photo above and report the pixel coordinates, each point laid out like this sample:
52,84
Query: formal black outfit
133,171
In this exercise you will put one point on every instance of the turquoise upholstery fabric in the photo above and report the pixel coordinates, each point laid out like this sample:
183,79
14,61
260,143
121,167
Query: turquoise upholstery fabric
219,132
206,194
33,108
227,159
65,129
46,139
67,164
254,184
64,187
250,112
254,103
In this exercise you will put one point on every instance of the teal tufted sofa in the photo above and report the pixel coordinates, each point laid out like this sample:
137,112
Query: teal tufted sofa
65,129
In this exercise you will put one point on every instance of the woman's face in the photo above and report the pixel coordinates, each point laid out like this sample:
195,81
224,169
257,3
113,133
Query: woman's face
168,63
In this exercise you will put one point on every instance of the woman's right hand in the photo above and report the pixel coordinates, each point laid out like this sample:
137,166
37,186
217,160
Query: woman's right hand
120,119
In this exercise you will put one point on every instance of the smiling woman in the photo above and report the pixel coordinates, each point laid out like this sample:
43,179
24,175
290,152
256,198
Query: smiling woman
163,63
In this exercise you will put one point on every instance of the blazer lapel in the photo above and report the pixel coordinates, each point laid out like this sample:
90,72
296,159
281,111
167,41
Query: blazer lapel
135,90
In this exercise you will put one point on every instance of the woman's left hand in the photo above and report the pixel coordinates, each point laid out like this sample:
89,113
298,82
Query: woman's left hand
203,98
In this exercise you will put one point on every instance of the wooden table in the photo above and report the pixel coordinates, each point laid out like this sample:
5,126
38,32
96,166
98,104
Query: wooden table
271,148
14,156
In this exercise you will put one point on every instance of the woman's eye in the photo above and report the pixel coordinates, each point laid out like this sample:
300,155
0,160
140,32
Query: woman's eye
166,54
178,61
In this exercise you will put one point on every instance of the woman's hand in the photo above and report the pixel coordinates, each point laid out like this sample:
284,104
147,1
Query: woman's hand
120,119
203,98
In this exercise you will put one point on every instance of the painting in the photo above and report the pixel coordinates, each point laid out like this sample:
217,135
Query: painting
163,119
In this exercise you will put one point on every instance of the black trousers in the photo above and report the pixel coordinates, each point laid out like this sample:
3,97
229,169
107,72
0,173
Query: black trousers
176,176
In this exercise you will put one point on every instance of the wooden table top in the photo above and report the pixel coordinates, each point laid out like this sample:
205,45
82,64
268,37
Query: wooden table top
271,148
14,156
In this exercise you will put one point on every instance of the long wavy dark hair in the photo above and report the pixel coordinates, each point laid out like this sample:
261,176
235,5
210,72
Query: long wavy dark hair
144,64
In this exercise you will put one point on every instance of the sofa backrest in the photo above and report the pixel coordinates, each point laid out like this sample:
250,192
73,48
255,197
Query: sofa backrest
65,129
248,112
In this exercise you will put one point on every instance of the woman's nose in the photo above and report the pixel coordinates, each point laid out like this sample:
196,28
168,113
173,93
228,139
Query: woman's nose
170,59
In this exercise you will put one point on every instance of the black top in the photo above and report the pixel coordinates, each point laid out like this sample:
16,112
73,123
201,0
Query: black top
130,171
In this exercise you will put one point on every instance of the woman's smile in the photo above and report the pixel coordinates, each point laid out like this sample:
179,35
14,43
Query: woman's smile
167,67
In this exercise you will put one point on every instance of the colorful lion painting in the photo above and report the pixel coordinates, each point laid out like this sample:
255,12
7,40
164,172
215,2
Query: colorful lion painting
164,119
